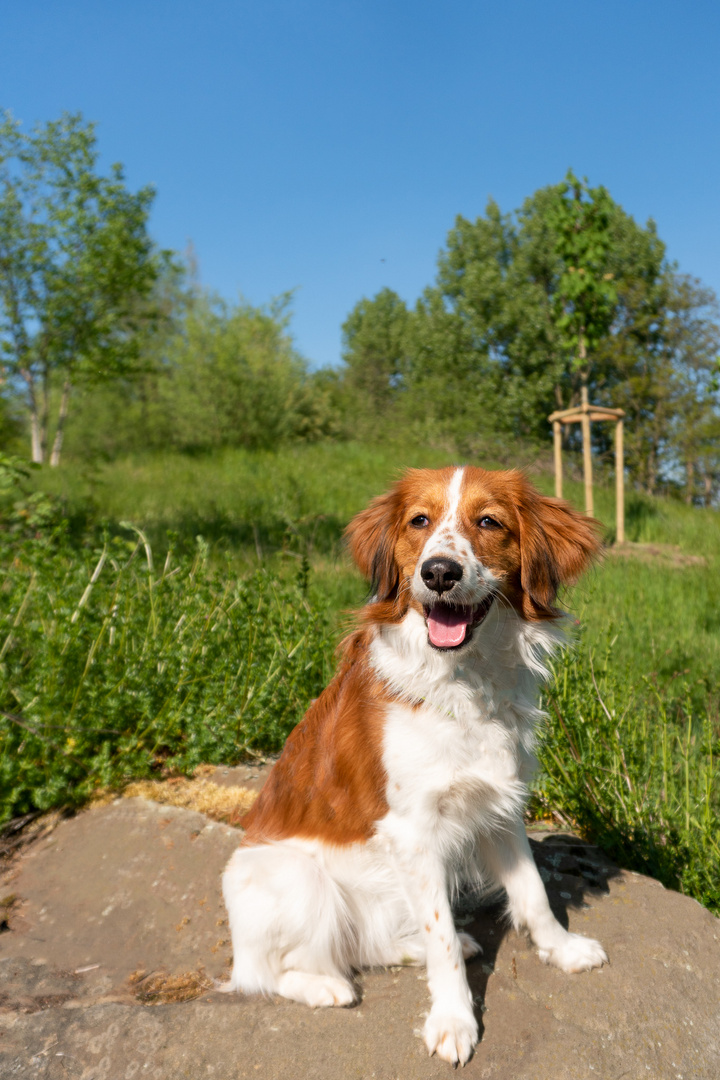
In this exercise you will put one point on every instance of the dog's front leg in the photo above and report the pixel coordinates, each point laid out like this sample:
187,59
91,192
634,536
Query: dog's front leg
451,1030
508,858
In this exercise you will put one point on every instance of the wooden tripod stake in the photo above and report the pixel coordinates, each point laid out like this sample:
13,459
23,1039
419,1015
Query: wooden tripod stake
584,414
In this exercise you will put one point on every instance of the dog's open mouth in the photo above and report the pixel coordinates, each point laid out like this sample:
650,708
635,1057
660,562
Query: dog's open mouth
450,626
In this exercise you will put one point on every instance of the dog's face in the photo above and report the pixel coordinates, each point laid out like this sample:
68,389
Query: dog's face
451,542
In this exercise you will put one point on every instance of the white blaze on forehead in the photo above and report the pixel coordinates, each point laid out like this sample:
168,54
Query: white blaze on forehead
447,540
446,537
450,519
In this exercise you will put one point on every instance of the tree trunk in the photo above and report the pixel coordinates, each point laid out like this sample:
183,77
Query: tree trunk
708,484
35,440
582,354
689,482
651,472
35,446
62,415
42,420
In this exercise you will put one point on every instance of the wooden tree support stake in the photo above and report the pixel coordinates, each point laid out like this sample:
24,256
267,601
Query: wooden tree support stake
584,414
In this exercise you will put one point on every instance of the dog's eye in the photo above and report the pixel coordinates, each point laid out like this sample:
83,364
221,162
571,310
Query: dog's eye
420,522
489,523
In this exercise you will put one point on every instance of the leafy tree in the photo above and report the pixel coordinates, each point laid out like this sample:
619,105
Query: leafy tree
237,379
77,267
217,374
452,386
374,350
541,291
585,297
693,336
665,358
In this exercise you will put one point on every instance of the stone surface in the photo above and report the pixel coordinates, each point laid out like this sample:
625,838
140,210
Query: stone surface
119,893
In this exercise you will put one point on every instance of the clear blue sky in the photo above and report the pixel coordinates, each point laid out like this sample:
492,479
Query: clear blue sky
327,146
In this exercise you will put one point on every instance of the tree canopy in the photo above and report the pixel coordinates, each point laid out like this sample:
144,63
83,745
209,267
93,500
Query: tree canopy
528,307
77,266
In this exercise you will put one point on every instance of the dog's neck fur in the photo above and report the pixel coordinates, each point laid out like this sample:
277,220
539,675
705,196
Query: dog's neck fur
501,666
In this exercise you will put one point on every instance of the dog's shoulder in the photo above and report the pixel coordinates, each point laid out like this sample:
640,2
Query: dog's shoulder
329,782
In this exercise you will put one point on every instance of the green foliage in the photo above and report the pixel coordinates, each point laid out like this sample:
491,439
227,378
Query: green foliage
534,289
76,264
374,349
661,366
452,391
137,690
217,375
640,781
24,511
526,309
584,303
110,668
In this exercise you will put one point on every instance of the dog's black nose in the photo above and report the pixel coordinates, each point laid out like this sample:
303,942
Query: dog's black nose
440,575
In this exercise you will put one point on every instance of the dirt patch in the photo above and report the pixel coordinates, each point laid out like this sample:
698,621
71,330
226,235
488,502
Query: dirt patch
665,554
159,988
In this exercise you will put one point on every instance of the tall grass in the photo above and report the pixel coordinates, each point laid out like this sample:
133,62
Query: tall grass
217,652
636,774
247,501
111,667
267,508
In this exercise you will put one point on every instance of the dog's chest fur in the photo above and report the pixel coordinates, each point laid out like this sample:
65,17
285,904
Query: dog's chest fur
459,738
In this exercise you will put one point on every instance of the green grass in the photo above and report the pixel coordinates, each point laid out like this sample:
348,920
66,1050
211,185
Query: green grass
636,776
272,508
111,667
242,501
633,736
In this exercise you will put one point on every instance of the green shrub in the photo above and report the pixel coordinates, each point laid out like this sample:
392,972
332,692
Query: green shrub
639,780
109,669
199,663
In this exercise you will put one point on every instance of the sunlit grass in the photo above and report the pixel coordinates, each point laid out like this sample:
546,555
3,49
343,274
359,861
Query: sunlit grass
633,737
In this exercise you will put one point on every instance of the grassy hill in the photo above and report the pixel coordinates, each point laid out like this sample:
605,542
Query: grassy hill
128,646
659,602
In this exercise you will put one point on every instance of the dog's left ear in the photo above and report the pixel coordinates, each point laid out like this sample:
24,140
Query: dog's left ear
557,544
372,536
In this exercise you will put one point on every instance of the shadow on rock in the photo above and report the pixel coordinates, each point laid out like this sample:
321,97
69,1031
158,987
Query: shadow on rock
571,870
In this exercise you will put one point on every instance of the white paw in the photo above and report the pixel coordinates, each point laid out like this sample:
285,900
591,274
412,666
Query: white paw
317,991
575,953
470,947
452,1038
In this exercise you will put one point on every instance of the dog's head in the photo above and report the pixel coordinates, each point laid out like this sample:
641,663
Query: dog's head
450,542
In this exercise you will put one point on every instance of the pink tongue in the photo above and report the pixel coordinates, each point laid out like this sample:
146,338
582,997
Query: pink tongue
447,625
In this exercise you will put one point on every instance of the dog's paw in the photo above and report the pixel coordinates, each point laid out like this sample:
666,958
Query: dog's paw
451,1037
317,991
575,953
470,947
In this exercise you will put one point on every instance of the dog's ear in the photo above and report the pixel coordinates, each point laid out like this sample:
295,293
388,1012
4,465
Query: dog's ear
557,544
372,536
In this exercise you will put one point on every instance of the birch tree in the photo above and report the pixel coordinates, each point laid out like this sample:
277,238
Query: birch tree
77,269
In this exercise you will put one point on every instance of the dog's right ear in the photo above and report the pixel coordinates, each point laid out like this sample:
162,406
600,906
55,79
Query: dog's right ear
371,537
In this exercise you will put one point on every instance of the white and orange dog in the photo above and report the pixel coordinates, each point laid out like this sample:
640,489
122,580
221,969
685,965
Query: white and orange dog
408,776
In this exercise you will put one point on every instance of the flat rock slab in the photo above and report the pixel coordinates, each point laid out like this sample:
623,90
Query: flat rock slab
122,892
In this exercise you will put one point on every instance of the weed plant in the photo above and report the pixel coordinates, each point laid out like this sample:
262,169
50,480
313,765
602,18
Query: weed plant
637,776
111,669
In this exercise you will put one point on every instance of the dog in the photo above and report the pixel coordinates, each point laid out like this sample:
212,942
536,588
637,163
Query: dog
407,778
